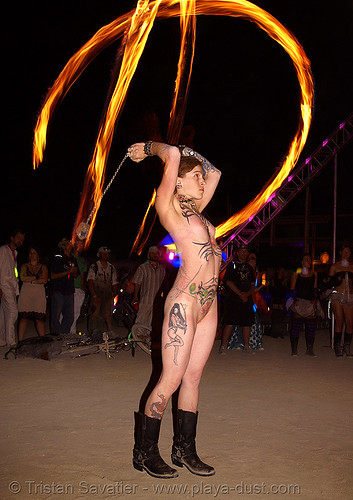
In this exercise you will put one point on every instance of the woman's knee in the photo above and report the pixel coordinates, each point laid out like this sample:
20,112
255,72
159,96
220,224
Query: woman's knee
170,384
192,378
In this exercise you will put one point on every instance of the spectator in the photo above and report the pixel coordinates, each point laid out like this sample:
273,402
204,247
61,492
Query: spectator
9,289
32,302
147,282
80,282
238,308
255,342
341,278
103,286
303,286
63,272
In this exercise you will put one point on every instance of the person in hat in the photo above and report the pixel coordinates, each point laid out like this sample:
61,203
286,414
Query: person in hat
239,280
103,286
190,311
63,271
147,282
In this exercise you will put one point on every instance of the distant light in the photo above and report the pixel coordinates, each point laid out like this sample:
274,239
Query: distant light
325,142
171,256
324,257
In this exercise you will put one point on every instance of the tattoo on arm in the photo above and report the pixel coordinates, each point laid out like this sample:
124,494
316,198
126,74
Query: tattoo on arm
206,165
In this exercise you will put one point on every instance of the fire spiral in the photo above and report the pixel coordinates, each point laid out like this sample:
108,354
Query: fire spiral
134,28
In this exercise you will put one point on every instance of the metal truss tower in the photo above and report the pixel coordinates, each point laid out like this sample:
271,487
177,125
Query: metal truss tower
299,178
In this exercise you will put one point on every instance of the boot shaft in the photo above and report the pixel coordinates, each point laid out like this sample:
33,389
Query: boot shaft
186,425
337,344
347,344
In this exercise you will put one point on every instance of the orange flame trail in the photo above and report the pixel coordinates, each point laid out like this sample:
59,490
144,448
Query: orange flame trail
136,25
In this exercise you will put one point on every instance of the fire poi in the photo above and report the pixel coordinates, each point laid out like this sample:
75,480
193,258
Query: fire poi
134,28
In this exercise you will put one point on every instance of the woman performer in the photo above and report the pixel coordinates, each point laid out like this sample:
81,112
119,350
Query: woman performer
190,313
341,278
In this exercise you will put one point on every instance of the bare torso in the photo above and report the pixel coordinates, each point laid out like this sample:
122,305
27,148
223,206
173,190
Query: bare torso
197,279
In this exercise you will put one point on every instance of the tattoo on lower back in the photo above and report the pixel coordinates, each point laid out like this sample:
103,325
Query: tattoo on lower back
176,326
157,408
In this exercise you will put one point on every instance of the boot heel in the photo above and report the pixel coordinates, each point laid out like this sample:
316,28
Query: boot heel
137,466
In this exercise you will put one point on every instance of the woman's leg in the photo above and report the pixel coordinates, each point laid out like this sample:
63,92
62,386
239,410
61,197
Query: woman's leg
246,335
175,359
200,351
227,332
348,316
179,321
22,326
184,446
297,324
310,330
40,327
337,308
339,319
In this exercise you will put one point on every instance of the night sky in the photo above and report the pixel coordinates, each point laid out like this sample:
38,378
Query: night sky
243,107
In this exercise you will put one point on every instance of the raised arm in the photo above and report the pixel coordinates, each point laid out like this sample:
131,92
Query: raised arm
210,172
170,155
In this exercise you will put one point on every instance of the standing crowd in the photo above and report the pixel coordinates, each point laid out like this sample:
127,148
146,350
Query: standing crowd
250,304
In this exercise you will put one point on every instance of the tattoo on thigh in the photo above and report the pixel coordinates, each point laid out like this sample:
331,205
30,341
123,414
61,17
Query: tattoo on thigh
176,325
157,408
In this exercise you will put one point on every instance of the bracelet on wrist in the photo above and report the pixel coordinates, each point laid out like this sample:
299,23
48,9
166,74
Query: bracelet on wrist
147,148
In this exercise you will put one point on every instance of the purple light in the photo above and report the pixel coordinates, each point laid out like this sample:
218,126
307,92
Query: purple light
342,125
325,142
290,178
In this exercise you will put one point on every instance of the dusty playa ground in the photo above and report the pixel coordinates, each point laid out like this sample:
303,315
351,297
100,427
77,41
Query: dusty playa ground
273,426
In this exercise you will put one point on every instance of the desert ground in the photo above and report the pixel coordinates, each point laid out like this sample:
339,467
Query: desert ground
272,425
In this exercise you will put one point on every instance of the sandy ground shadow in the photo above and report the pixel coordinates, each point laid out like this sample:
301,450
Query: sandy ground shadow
272,426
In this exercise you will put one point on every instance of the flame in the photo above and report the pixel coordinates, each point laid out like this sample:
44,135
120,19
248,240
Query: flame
136,26
136,247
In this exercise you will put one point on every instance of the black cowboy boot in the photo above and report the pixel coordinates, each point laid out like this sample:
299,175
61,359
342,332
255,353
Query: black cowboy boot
337,344
184,447
347,344
146,453
294,344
